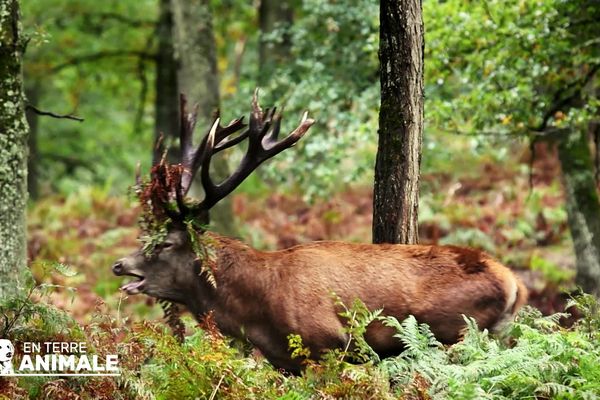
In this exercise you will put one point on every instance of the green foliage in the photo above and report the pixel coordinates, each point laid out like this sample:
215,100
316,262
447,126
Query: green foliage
535,357
513,67
357,317
297,349
538,358
204,247
86,60
470,237
331,73
152,239
551,272
22,317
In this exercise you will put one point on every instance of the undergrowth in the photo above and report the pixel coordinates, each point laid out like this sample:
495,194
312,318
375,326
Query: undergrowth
533,358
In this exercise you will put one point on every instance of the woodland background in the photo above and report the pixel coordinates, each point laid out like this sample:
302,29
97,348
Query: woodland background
509,165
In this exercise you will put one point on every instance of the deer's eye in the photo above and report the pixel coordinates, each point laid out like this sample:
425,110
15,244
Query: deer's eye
166,245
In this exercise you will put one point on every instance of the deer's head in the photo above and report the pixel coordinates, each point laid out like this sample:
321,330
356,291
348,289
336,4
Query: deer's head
175,261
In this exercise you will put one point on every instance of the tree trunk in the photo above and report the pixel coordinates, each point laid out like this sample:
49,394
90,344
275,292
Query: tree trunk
13,152
271,15
32,91
166,103
396,192
197,75
583,209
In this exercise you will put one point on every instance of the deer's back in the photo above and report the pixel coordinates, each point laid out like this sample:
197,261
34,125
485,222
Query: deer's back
437,284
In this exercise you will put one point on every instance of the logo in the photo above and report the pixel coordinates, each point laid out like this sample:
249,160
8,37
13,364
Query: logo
7,350
54,359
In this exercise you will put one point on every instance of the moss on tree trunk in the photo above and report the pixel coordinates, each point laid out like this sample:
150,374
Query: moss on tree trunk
396,192
583,208
13,152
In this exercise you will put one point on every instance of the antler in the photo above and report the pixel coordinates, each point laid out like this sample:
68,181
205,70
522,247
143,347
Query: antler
191,158
262,134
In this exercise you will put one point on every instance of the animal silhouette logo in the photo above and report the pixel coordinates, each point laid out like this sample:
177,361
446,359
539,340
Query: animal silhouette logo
7,351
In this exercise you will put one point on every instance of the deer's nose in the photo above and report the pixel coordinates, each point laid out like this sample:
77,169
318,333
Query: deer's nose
117,268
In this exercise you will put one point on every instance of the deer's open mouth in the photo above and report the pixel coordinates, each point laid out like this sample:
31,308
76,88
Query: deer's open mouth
136,286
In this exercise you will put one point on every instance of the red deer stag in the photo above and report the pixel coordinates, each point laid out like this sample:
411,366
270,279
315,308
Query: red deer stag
263,296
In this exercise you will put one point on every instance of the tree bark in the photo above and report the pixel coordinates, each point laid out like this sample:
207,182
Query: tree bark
13,152
583,209
396,191
166,103
197,76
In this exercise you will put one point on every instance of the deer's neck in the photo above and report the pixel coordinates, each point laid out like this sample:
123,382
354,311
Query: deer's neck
242,281
202,296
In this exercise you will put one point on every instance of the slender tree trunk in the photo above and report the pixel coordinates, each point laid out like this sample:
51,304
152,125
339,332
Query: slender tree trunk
196,55
32,91
13,152
583,209
273,14
197,75
396,192
166,103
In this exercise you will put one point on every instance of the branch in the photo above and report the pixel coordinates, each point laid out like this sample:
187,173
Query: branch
558,102
51,114
70,163
100,55
104,16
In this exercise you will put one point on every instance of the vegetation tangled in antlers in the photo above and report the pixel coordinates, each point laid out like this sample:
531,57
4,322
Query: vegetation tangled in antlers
154,197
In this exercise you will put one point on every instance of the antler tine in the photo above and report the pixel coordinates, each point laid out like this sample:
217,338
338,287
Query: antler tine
189,154
276,127
231,128
274,146
231,142
221,134
207,183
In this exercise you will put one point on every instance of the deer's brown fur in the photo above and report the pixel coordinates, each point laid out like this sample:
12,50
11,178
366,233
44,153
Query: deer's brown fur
265,296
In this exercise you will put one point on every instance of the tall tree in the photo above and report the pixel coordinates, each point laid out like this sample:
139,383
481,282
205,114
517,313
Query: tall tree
396,192
583,208
166,100
13,151
197,77
273,15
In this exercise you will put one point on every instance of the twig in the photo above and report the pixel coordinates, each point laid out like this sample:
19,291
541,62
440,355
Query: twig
214,393
18,313
101,55
53,115
349,338
104,16
559,102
